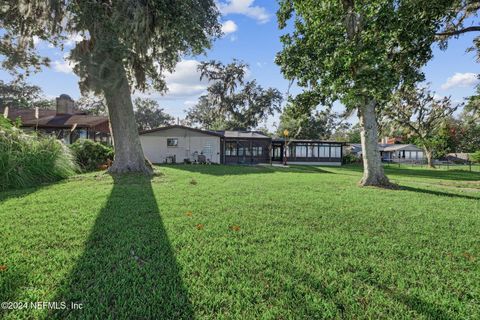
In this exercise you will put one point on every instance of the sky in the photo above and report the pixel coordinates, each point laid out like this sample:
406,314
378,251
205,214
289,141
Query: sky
251,34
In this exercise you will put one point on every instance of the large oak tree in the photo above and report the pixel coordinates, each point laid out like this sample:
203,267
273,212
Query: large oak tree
358,52
126,45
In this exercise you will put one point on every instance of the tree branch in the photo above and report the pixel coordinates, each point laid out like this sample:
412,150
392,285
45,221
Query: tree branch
458,32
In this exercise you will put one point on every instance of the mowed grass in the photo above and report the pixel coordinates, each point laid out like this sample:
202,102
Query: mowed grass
232,242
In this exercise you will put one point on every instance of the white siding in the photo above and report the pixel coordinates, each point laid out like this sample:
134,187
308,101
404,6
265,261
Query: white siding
155,147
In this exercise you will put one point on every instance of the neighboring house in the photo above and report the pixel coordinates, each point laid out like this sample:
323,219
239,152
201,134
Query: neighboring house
463,158
65,123
393,152
183,144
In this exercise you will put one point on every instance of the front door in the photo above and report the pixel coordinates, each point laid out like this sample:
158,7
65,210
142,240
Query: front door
277,152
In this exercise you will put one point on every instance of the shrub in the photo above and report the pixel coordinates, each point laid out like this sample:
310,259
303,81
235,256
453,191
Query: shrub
89,154
28,160
475,157
350,158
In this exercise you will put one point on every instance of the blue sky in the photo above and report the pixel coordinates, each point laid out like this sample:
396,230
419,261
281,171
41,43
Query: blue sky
251,35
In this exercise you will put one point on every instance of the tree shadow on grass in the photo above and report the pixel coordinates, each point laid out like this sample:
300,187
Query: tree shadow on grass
128,268
440,174
439,193
226,170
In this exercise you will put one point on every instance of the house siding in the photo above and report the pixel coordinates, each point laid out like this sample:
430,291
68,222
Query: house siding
155,147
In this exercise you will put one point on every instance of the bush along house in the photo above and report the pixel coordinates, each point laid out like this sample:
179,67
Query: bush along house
65,122
181,144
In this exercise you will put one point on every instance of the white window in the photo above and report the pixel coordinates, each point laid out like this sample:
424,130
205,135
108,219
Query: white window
335,152
324,151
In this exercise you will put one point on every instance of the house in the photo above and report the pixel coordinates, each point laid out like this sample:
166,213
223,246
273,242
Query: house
393,152
459,157
65,122
178,143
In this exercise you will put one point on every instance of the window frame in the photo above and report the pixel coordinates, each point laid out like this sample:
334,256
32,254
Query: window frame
172,139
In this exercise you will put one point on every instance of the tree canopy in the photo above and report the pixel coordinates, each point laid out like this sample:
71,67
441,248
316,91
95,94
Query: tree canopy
318,124
149,115
230,102
126,45
358,53
19,94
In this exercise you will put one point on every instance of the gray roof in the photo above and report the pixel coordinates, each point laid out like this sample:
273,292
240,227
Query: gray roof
243,134
357,147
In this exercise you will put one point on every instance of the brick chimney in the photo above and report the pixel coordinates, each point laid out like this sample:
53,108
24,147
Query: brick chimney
65,104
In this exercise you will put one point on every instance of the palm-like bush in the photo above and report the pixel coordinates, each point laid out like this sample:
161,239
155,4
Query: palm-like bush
28,159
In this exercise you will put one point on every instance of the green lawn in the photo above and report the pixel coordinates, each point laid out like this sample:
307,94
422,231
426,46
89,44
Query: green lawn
231,242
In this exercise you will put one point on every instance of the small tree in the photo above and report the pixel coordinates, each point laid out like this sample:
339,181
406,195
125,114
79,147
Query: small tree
232,103
421,115
149,115
126,45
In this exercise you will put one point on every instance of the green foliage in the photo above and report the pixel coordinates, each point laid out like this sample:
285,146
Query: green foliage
313,125
230,102
5,123
475,157
309,245
92,104
353,52
29,160
423,117
90,154
349,158
145,42
149,115
19,94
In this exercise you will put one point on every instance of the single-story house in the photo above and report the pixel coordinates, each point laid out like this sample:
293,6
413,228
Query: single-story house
393,152
65,122
178,143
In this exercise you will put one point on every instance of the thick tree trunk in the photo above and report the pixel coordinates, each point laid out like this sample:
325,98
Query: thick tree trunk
373,174
429,156
129,155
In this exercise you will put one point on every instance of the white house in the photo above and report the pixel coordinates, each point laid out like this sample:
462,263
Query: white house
177,143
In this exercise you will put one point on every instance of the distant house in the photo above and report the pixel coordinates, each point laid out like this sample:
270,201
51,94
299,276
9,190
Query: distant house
392,152
65,122
183,144
460,157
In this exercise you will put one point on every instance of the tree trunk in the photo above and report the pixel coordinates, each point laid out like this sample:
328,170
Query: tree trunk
429,156
373,174
129,155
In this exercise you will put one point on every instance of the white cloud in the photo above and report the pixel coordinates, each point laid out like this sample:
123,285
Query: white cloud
460,80
229,26
64,65
245,7
185,80
73,39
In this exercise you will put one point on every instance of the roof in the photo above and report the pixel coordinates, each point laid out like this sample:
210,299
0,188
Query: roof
50,119
213,133
307,141
243,134
357,147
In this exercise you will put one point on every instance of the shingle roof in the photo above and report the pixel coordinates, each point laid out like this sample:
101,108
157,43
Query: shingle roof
50,118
